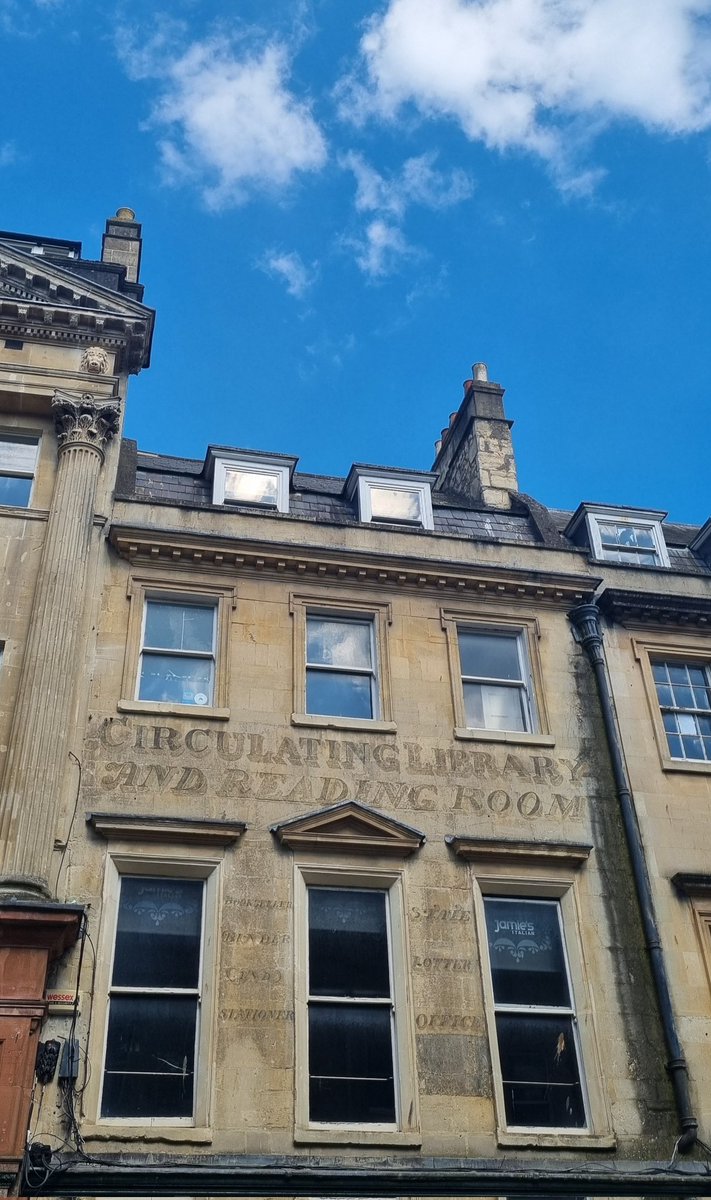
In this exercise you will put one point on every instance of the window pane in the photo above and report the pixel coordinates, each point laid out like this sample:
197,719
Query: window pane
351,1064
251,487
176,679
18,454
150,1057
489,655
490,707
540,1072
334,694
158,933
15,490
335,643
395,504
348,943
677,673
179,626
659,671
526,952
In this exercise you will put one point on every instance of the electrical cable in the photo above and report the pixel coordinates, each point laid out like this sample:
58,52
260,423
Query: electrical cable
71,823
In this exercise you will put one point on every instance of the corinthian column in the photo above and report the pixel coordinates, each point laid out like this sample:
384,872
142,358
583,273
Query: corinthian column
41,724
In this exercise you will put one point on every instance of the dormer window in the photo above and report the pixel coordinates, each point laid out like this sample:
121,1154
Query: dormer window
255,482
388,498
632,537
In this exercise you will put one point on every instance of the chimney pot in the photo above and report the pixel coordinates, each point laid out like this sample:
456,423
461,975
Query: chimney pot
480,372
125,214
452,419
438,446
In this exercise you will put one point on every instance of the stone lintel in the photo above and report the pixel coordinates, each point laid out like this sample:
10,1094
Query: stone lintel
569,854
136,827
349,827
632,607
691,884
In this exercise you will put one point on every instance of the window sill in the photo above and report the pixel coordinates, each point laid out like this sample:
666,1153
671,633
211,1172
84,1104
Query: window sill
161,708
502,735
575,1140
698,767
314,721
105,1132
356,1137
17,510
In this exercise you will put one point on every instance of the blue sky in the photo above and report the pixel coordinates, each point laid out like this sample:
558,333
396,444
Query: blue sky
346,203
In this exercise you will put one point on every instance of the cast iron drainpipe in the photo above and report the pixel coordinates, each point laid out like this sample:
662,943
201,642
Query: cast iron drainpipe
585,619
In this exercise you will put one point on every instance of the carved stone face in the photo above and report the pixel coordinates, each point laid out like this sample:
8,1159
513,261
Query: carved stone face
95,361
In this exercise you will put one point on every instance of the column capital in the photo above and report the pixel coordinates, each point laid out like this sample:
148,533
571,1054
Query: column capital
82,420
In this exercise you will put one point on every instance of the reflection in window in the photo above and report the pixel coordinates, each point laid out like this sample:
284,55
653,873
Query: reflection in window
396,504
251,487
495,680
18,460
177,663
149,1066
684,694
625,542
535,1016
340,667
350,1005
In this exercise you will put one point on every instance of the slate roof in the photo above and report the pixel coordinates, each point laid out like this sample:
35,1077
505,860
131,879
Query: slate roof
164,479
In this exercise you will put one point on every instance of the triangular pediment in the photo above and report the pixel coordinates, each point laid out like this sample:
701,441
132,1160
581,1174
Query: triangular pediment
349,827
38,298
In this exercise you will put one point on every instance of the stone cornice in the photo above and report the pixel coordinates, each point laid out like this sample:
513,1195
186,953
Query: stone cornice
168,547
510,850
655,608
41,301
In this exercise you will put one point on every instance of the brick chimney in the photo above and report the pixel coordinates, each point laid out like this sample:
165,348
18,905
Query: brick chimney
122,243
475,455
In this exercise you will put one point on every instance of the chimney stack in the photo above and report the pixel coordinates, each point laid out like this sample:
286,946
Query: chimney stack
475,457
122,243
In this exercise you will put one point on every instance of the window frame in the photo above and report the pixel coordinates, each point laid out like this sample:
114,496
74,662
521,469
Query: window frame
653,523
179,864
544,879
21,437
395,483
222,598
528,632
251,466
648,651
358,877
379,614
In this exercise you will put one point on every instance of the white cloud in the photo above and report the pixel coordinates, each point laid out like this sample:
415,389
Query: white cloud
291,268
417,183
538,74
381,249
231,123
8,154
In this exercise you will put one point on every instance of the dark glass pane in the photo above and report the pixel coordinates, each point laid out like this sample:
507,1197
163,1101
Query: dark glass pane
540,1072
15,490
158,933
675,749
702,698
693,747
337,694
150,1057
334,643
697,676
489,655
677,673
179,626
683,696
526,952
669,719
351,1063
172,678
665,694
348,943
659,671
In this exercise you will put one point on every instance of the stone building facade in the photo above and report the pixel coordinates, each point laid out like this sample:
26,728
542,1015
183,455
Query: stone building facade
338,857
